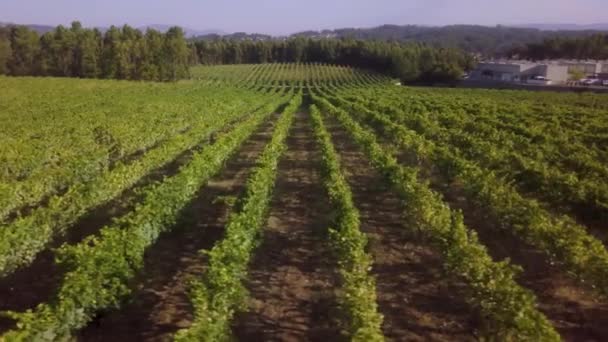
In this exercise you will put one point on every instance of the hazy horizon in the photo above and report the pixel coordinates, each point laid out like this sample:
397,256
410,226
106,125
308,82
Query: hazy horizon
281,17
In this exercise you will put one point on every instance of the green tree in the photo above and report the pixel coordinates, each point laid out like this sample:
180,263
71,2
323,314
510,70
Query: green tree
61,52
90,53
24,46
151,69
176,53
109,56
5,50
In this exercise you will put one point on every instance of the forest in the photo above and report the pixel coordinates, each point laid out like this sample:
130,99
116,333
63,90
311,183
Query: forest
118,53
590,47
410,62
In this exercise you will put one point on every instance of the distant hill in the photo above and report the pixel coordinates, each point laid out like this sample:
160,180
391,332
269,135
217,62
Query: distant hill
566,27
41,29
189,32
235,36
485,40
38,28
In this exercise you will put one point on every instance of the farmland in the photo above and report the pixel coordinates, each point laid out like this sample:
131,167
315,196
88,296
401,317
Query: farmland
300,202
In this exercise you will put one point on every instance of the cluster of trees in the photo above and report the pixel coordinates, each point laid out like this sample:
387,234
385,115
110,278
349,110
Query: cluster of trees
410,62
590,47
119,53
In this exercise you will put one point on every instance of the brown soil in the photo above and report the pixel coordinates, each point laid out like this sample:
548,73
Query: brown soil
292,276
160,304
418,301
596,224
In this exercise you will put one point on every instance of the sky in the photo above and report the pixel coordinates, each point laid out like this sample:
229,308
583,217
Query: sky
289,16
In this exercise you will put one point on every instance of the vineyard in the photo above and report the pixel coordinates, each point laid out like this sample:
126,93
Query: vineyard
300,202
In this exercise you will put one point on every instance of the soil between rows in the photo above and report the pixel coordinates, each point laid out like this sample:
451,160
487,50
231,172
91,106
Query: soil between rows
418,301
160,304
292,276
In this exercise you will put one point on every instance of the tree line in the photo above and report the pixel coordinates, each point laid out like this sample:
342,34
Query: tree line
485,41
118,53
127,53
410,62
591,47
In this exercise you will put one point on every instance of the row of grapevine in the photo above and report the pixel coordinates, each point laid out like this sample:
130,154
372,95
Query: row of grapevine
526,163
284,75
358,292
53,141
509,310
515,158
22,238
99,268
221,293
559,237
561,132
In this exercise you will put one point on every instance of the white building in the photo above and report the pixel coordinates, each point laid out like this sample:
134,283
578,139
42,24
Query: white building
520,72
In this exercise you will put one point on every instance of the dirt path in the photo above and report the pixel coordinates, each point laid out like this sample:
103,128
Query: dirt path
160,305
418,302
292,278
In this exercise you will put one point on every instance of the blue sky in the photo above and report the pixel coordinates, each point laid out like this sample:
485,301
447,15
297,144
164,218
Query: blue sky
287,16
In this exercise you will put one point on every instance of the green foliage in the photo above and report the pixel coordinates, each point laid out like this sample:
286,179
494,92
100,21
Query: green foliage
576,75
593,46
291,75
5,51
25,49
358,295
91,185
509,311
552,163
523,158
561,238
120,53
99,269
220,294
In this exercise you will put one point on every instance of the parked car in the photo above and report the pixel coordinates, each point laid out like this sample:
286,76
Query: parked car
591,80
605,83
539,80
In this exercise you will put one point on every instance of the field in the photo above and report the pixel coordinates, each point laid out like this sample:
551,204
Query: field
300,202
